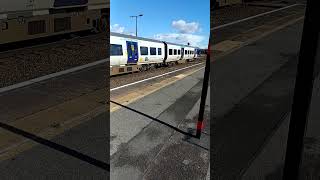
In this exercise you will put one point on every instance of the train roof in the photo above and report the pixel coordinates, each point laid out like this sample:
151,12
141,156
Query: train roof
147,39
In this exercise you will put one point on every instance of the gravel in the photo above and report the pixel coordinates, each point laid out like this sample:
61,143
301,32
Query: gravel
120,80
233,13
31,63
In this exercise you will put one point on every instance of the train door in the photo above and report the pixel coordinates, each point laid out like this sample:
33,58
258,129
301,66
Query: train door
165,51
132,49
182,53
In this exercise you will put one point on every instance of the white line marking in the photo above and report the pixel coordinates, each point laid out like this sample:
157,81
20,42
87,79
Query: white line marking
137,82
42,78
252,17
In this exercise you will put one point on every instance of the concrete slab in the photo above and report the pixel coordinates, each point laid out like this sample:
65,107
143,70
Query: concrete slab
240,133
42,162
235,75
50,122
17,104
37,97
268,164
226,45
183,157
125,124
134,158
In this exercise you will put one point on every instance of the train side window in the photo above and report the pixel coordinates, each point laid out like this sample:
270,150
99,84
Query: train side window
185,52
4,26
179,52
159,51
175,52
153,51
36,27
116,50
144,50
62,24
170,51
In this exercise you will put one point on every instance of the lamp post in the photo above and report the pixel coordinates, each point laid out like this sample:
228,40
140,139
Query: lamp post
137,22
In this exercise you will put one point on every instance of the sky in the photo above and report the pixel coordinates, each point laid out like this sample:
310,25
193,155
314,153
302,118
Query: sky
176,21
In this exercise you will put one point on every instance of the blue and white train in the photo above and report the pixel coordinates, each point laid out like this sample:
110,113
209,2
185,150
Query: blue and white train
130,53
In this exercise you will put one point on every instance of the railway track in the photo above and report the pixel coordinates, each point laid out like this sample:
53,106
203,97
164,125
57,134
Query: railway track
44,42
121,80
31,62
237,13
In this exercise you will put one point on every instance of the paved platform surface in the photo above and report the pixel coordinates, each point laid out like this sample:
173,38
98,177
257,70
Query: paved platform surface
71,111
268,164
252,99
42,162
251,109
143,148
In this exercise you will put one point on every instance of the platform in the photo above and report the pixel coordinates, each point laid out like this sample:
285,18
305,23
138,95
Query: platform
144,147
69,110
252,102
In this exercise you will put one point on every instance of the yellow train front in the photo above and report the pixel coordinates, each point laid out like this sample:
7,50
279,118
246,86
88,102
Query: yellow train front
24,20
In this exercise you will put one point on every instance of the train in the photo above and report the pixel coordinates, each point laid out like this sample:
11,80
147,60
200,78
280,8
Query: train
132,54
22,20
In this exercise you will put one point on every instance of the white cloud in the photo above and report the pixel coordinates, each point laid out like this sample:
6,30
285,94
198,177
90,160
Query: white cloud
120,29
184,27
194,40
116,28
130,33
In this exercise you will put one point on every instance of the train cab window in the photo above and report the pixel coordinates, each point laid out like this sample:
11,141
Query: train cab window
170,51
116,50
175,52
153,51
159,51
179,52
144,50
